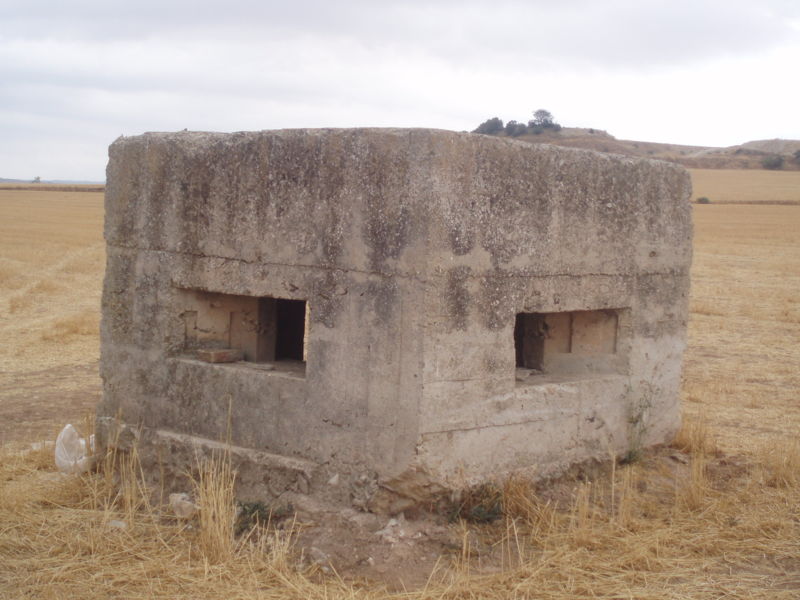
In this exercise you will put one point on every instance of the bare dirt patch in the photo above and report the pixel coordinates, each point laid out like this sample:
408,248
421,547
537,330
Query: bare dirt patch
35,405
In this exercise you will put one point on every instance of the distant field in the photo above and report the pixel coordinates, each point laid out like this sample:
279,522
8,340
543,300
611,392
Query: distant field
51,264
746,186
54,187
52,257
741,364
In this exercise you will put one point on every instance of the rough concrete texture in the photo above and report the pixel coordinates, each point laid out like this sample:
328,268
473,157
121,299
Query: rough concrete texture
474,306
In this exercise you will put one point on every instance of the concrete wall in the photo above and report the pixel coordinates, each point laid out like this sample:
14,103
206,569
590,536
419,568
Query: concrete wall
415,250
549,231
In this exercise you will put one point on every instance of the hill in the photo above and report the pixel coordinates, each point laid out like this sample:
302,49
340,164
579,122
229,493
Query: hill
744,156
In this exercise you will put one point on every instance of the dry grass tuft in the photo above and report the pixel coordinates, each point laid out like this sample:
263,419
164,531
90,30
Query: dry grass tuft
521,502
17,304
214,491
582,517
781,461
627,497
694,436
65,328
11,276
692,494
44,287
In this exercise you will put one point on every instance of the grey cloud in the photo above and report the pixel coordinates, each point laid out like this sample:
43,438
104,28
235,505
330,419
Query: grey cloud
620,32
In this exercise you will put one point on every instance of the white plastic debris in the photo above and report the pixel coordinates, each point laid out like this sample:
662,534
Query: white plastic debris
182,505
71,451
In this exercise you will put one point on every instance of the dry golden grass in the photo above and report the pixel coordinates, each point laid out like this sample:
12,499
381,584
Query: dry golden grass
214,492
659,534
51,263
719,518
91,540
51,267
67,328
753,185
741,367
781,463
694,436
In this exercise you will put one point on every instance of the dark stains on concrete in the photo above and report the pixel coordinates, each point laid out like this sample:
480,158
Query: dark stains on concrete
385,299
327,297
457,297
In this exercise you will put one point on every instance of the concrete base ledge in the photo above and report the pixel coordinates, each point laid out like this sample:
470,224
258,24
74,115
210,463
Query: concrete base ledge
266,460
260,476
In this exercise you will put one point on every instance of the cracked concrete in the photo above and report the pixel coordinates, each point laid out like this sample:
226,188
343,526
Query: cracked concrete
415,253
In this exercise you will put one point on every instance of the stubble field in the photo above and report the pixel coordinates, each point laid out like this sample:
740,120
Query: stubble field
52,258
716,515
746,186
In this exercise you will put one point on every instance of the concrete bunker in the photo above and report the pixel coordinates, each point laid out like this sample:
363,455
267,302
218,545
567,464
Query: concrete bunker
399,311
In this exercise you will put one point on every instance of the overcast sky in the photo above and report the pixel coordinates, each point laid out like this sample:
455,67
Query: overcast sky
76,74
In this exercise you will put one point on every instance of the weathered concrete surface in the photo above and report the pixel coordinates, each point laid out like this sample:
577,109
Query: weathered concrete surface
415,251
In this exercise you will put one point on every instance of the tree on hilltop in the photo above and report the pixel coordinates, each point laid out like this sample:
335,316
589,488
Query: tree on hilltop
543,119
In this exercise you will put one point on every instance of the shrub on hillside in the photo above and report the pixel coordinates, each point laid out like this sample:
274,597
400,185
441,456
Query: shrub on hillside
490,126
773,162
534,128
515,129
